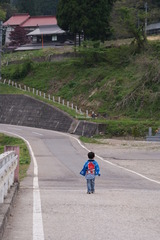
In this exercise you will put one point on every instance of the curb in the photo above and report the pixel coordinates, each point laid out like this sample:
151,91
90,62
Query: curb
5,208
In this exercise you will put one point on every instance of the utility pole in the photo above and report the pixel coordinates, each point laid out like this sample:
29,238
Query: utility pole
146,11
0,46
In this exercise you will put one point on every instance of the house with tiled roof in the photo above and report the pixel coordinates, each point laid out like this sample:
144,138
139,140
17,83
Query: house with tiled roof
12,22
40,29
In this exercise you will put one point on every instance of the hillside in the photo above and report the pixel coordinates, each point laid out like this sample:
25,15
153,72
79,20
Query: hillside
115,82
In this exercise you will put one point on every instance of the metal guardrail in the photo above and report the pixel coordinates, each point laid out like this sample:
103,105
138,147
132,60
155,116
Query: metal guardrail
8,165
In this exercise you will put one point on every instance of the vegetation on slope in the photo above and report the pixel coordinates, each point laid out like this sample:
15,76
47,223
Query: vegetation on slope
116,82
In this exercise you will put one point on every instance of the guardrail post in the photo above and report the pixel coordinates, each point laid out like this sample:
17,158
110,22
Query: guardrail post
86,113
17,151
2,195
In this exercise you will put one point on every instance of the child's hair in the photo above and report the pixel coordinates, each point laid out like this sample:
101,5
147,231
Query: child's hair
91,155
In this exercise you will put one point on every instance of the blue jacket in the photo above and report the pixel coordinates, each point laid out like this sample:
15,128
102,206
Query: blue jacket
85,168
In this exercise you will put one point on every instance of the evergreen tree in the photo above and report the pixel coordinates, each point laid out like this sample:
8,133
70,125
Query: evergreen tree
37,7
69,15
98,16
90,17
24,6
47,7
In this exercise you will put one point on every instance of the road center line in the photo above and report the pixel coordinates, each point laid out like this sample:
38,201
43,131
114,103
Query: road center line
108,162
38,133
17,129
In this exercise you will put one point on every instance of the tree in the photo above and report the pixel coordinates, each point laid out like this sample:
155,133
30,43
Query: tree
138,32
18,36
24,6
128,20
2,14
47,7
89,17
97,15
37,7
9,9
69,16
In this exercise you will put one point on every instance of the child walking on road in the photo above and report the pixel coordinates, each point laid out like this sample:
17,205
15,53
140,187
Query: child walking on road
90,170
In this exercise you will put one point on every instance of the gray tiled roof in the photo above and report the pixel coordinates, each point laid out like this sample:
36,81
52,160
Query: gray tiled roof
46,30
153,26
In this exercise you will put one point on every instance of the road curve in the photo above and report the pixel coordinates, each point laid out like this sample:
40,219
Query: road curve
52,202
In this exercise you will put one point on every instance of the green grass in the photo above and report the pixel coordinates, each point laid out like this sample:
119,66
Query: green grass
89,140
45,52
130,128
24,152
6,89
118,82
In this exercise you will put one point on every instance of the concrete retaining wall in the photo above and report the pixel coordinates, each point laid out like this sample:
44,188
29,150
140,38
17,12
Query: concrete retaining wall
26,111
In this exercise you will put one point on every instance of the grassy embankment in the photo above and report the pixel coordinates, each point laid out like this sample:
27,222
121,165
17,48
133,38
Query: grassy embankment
24,153
118,83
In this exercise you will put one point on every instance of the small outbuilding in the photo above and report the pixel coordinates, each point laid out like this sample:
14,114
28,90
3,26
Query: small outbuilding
153,29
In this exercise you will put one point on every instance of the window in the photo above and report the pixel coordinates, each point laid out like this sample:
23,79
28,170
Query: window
54,38
34,39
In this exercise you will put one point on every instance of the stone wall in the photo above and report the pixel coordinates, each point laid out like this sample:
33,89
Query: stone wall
26,111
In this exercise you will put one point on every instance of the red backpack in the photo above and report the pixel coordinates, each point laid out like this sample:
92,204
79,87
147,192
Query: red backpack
91,168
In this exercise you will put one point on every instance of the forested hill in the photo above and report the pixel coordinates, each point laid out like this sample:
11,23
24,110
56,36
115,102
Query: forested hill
49,7
33,7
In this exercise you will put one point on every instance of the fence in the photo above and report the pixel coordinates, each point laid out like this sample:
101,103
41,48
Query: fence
48,97
8,165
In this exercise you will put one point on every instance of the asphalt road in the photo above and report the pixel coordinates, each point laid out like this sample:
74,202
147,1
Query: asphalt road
52,203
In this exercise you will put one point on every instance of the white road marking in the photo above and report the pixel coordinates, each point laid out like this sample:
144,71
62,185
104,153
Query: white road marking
18,129
38,133
115,165
38,232
108,162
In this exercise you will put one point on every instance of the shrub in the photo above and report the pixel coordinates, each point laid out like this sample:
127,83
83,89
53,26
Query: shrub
125,128
17,71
